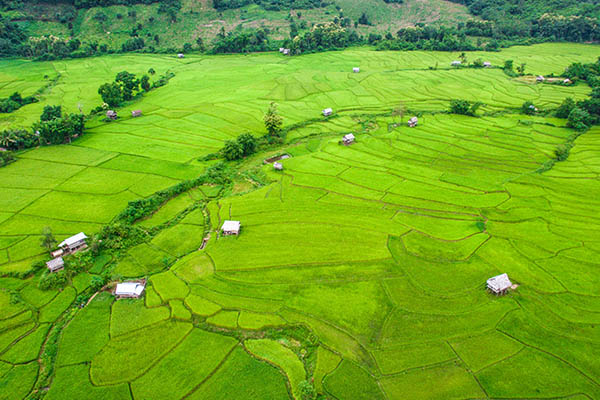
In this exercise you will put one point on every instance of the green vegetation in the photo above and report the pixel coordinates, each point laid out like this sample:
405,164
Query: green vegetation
359,271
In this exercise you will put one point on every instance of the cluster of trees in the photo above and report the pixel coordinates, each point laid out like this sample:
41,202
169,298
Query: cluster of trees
243,146
241,42
6,157
56,128
328,35
272,5
15,101
125,87
18,139
12,37
584,113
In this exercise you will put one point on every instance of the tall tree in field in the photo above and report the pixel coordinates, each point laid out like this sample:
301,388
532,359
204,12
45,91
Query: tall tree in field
399,111
111,94
48,241
273,121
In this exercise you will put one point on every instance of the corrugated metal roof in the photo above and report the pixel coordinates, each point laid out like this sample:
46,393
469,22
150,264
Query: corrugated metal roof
231,226
499,283
73,239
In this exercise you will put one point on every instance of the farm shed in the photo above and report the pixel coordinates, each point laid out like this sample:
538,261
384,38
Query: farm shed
327,112
57,253
455,63
180,55
73,243
567,81
356,70
487,64
499,284
278,166
540,78
286,52
136,113
111,114
348,139
55,264
129,289
231,227
413,122
281,49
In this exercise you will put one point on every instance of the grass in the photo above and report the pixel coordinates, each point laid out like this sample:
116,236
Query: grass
378,251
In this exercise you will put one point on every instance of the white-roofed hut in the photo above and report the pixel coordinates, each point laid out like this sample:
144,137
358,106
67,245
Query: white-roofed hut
327,112
455,63
55,264
278,166
356,70
111,114
136,113
499,284
73,243
180,55
487,64
128,290
231,228
540,78
413,122
348,139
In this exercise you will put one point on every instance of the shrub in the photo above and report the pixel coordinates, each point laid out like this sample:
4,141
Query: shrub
232,150
565,108
463,107
248,143
53,280
273,121
6,157
562,152
51,112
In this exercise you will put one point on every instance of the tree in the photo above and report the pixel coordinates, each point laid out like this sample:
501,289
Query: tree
364,20
200,43
232,150
151,71
51,112
145,83
47,241
273,121
521,69
128,83
111,94
248,143
399,111
565,108
508,65
579,119
187,47
463,58
307,390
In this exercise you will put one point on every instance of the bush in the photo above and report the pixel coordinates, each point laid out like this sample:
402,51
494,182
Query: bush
6,157
463,107
53,280
232,150
562,152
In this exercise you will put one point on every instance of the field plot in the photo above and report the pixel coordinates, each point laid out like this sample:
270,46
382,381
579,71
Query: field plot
359,271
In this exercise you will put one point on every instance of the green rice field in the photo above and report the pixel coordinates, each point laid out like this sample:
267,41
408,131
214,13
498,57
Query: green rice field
360,270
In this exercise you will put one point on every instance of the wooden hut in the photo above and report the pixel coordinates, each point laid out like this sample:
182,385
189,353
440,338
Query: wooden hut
413,122
356,70
540,78
55,264
455,63
180,55
286,52
231,228
278,166
487,64
567,81
111,114
136,113
327,112
499,284
348,139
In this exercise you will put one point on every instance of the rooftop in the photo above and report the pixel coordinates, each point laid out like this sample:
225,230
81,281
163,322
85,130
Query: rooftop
231,225
129,289
73,239
499,283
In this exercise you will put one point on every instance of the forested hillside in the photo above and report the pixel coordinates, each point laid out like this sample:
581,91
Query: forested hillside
55,29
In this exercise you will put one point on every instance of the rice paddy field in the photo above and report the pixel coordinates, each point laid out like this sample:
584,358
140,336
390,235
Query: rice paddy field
360,270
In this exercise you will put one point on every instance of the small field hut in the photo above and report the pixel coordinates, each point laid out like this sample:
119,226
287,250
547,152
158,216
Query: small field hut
348,139
286,52
136,113
55,264
455,63
180,55
129,290
413,122
281,49
231,228
278,166
567,81
73,243
487,64
356,70
499,284
540,78
327,112
111,114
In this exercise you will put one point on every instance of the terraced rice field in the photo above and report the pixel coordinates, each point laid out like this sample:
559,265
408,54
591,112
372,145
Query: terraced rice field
360,270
